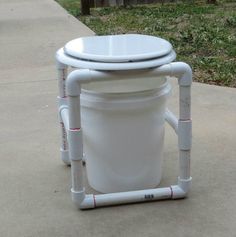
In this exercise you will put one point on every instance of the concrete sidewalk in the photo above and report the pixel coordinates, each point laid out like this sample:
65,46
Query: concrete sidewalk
35,185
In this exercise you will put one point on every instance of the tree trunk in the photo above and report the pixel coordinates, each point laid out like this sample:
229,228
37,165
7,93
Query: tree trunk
85,7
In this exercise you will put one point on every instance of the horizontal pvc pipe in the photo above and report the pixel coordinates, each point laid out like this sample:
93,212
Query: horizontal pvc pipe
177,69
172,120
127,197
132,197
110,199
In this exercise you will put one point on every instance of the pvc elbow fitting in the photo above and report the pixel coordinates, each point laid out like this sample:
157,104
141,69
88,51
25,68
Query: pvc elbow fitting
77,197
83,201
181,190
184,71
73,81
185,184
88,202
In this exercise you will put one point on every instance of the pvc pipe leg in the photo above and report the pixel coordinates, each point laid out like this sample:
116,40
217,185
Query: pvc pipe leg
62,74
64,146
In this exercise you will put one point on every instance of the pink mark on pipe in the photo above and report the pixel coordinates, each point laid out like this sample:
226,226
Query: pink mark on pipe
75,129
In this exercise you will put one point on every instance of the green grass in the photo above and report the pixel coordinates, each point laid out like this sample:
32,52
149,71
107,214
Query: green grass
203,35
72,6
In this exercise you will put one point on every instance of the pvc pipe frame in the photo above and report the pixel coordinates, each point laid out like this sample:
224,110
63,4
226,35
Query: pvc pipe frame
69,113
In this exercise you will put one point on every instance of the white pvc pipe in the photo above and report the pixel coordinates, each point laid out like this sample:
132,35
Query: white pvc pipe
132,196
100,200
126,197
77,175
172,120
184,164
64,145
62,75
183,72
64,117
178,69
184,103
74,112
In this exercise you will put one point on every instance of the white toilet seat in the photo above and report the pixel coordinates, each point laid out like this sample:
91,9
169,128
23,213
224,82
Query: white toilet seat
78,63
117,52
118,48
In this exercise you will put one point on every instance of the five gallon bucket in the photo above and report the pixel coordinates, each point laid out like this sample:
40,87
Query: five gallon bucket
123,133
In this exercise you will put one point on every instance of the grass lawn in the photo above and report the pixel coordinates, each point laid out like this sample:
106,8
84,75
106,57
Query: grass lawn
203,35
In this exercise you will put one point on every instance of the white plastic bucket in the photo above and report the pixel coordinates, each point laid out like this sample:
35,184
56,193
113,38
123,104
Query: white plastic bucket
123,133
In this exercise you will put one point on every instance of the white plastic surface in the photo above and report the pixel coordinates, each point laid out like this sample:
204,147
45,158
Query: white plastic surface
65,156
79,63
76,149
123,135
185,134
118,48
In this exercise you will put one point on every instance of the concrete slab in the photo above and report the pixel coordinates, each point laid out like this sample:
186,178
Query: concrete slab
32,31
19,10
34,184
28,74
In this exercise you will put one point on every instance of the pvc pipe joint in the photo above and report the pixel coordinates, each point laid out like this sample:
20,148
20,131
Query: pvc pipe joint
88,202
62,101
76,145
185,134
72,82
185,184
77,197
184,71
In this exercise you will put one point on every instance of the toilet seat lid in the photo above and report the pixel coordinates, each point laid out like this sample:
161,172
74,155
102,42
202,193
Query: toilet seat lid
88,64
118,48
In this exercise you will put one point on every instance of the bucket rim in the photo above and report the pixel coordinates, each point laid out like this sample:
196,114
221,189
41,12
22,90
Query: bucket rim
93,93
130,101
